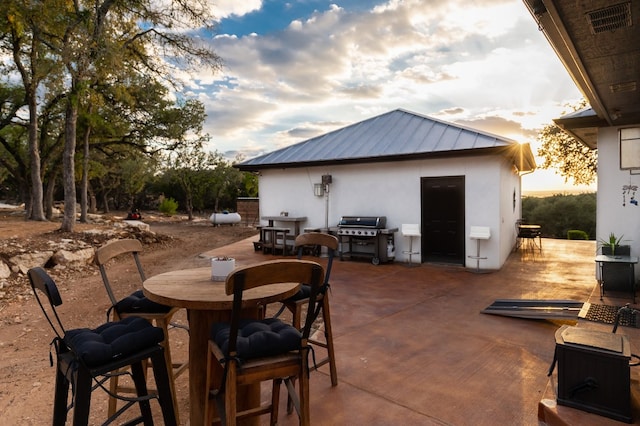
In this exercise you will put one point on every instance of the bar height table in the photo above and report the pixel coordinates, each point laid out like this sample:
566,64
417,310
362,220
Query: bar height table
207,302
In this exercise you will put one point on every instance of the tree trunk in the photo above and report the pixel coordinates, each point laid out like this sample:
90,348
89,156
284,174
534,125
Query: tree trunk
189,207
68,166
105,201
85,175
36,212
93,202
48,197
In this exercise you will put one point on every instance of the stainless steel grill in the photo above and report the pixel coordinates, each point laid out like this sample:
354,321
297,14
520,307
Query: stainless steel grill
363,222
366,237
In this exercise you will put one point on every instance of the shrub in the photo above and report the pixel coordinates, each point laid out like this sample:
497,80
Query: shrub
559,214
168,206
576,234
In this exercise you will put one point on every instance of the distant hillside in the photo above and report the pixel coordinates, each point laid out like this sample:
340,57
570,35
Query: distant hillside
542,194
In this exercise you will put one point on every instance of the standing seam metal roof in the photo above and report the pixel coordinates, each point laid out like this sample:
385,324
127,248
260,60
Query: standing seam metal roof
392,135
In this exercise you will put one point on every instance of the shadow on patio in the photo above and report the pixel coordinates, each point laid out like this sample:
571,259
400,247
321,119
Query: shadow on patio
413,347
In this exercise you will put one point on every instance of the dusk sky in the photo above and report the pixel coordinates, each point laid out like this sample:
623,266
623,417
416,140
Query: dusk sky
298,69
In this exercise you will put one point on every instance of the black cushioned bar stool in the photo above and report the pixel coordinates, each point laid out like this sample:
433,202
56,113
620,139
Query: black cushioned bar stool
85,356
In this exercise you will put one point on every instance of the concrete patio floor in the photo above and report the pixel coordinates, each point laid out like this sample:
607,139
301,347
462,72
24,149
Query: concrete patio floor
413,347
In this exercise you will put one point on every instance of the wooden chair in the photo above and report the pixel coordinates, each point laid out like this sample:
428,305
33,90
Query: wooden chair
315,241
84,356
246,351
137,305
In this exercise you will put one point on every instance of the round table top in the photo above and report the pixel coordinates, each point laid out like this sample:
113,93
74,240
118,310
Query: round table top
194,289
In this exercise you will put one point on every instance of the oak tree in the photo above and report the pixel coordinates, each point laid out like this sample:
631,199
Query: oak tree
571,158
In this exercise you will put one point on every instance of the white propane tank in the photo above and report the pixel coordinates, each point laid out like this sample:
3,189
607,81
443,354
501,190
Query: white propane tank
224,218
391,250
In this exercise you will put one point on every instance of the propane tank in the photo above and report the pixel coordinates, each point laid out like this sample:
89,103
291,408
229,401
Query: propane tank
391,250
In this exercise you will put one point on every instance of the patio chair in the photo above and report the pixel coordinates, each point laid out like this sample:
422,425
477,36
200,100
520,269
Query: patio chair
84,356
136,304
315,242
251,351
529,236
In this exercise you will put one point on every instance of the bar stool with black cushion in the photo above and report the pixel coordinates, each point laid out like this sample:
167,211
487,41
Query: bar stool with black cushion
245,352
85,356
314,242
136,304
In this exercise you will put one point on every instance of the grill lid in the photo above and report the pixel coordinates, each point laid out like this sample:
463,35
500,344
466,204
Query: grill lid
362,222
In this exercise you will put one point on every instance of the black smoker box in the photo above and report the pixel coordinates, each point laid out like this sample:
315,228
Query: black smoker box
593,371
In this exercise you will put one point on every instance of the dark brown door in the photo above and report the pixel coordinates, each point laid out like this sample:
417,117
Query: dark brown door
443,219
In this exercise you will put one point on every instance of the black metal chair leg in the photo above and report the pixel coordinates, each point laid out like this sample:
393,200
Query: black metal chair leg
164,388
82,397
60,399
139,379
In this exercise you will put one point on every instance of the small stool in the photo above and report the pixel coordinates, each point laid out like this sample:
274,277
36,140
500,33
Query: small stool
266,236
410,230
257,245
479,233
279,234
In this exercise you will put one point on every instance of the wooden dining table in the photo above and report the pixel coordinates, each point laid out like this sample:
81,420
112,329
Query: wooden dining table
206,303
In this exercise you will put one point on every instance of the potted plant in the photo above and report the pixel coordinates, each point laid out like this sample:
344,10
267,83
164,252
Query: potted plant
221,267
611,246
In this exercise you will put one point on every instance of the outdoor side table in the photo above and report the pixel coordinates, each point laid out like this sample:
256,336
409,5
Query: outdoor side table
628,261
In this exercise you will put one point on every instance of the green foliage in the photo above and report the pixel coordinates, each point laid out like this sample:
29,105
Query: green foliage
570,157
108,64
168,206
576,234
560,213
249,185
199,180
612,242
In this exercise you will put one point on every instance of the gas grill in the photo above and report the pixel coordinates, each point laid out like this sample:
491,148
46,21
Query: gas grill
366,237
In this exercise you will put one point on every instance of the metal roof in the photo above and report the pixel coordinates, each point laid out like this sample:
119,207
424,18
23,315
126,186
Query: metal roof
582,125
392,136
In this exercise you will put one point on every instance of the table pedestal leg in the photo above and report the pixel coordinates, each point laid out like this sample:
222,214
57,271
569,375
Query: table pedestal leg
199,326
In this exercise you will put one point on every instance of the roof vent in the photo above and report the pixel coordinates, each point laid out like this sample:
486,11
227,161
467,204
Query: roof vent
629,86
610,18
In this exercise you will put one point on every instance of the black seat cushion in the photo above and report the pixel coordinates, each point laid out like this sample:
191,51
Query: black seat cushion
305,292
112,340
137,302
258,338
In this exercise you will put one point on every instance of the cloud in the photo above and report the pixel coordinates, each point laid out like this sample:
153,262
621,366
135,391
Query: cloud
499,126
225,8
455,60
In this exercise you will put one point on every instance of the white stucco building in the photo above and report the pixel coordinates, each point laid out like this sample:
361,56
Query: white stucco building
412,169
598,42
